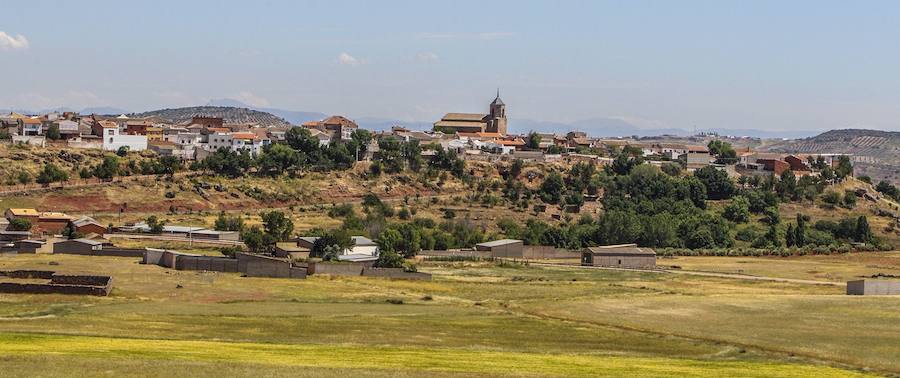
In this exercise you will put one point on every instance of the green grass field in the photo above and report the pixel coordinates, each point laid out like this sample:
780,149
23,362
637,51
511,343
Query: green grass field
473,319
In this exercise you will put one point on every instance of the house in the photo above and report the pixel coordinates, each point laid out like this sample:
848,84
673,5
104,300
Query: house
68,129
502,248
31,126
207,122
619,256
113,139
249,142
697,157
29,214
495,121
7,235
27,246
291,250
136,127
53,222
78,246
363,249
339,127
87,225
218,140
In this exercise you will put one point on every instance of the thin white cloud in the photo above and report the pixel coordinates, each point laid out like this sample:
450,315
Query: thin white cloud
251,99
485,36
349,60
494,35
427,57
9,42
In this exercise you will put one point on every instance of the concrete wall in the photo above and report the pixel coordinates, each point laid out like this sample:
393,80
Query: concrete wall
464,253
57,284
396,274
539,252
337,269
873,287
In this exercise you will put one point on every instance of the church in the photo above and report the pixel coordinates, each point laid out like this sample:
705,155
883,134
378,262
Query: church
493,122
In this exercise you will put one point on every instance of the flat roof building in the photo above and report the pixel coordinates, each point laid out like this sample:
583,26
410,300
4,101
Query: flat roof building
619,256
502,248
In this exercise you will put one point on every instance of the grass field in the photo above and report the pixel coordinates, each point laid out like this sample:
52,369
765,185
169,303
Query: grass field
473,319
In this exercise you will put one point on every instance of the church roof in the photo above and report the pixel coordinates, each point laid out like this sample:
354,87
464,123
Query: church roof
463,117
497,101
467,124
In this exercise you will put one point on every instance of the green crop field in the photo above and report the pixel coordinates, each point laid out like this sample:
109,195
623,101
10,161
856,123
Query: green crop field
473,319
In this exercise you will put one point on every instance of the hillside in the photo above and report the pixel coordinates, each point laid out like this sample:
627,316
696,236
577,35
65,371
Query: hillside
875,153
230,114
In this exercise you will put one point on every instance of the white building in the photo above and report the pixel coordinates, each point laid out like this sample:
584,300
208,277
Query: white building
249,142
113,140
218,140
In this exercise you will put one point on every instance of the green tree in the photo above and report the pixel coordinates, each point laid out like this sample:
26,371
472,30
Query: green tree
24,177
122,151
533,141
19,224
276,159
862,233
718,185
800,230
551,189
155,225
228,223
107,169
51,173
277,225
53,132
256,240
738,210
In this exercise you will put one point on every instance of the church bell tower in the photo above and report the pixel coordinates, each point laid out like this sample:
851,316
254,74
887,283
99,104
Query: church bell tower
497,121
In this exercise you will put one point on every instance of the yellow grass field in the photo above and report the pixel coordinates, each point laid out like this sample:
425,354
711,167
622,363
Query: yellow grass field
472,319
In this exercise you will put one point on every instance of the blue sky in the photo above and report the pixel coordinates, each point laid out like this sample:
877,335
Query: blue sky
772,65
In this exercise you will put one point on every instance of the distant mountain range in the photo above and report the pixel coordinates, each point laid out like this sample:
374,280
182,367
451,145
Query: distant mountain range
601,127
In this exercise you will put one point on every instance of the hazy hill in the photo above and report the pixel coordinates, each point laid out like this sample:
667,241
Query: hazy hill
293,116
876,153
230,114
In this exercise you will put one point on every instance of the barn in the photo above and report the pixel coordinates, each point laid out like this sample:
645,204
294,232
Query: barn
619,256
502,248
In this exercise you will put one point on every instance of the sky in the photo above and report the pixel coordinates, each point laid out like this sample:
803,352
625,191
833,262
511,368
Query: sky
769,65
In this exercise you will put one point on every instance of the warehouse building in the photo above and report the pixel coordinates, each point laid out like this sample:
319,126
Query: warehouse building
619,256
502,248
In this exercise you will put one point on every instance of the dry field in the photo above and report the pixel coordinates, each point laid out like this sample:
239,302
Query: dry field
473,319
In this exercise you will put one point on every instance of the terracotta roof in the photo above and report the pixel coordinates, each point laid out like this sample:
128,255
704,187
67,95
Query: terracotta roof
219,129
463,117
31,121
507,142
339,120
697,149
250,136
489,135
